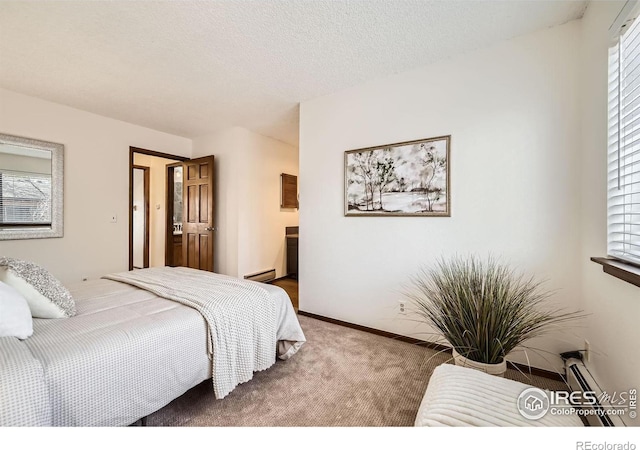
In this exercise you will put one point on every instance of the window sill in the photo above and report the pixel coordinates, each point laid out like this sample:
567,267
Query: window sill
619,269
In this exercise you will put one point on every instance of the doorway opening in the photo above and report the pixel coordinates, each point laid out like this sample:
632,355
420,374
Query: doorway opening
148,218
173,244
181,210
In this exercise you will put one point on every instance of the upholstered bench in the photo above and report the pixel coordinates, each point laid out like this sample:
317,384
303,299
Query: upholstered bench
459,396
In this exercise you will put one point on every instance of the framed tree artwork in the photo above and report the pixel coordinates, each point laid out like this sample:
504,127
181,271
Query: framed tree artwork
405,179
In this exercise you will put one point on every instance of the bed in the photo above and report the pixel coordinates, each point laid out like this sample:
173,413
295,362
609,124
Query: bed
129,351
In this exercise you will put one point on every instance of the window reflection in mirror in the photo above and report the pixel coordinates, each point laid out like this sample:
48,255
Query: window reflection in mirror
31,188
25,186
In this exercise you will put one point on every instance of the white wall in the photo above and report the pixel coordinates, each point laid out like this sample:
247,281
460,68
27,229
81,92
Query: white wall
262,223
96,183
157,205
614,305
512,112
251,224
224,146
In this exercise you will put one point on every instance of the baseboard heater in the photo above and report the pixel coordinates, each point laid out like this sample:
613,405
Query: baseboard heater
580,379
263,277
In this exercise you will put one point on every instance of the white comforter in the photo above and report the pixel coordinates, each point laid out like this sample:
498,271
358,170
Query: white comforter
242,318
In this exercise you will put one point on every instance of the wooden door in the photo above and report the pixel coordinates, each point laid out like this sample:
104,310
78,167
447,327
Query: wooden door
197,219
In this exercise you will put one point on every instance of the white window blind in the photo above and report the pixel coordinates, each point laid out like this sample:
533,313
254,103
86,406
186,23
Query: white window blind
623,169
25,198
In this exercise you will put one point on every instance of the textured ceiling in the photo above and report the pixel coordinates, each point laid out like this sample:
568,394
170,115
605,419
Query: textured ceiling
194,67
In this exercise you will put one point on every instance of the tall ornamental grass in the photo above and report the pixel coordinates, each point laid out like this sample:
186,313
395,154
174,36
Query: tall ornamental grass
483,308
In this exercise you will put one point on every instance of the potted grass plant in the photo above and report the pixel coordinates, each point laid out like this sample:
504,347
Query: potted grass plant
483,309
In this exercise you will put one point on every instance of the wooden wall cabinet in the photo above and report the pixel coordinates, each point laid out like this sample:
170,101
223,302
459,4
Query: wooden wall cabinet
288,191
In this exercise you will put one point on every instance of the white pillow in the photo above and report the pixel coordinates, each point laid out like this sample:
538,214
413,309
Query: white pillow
46,296
15,315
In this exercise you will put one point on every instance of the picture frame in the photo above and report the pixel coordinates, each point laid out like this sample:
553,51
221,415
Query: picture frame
404,179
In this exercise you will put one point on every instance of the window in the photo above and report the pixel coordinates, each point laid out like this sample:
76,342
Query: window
623,169
25,198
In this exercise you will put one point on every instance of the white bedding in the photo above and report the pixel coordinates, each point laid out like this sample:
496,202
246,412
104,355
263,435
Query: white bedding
242,318
126,354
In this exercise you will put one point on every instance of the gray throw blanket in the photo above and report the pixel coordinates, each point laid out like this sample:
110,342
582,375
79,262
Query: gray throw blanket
241,318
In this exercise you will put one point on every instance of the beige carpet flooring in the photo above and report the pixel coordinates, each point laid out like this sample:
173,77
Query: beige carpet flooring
340,377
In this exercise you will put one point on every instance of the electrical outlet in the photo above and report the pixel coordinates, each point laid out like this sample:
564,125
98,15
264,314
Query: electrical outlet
402,307
587,350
